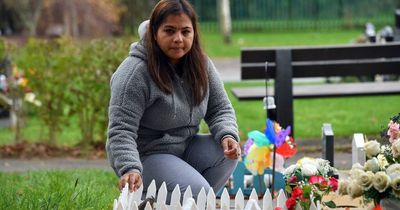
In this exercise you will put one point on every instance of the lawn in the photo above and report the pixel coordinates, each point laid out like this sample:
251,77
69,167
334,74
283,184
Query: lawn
76,189
212,42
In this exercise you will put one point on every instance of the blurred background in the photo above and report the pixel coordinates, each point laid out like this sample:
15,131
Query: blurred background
90,18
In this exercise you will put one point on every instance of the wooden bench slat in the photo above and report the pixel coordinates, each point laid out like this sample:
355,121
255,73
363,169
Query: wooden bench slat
337,52
326,68
325,90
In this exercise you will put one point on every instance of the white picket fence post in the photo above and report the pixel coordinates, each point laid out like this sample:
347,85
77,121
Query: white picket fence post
131,201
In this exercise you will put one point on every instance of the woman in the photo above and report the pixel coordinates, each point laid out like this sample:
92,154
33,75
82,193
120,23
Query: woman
159,95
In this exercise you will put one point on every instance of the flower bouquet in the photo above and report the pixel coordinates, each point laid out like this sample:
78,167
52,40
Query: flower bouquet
308,181
379,178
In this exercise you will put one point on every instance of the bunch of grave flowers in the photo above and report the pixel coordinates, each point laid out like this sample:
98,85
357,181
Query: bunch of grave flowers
379,177
308,181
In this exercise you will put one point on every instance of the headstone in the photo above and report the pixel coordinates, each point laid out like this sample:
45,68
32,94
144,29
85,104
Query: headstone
358,152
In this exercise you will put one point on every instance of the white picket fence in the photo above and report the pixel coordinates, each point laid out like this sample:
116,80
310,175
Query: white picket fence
131,201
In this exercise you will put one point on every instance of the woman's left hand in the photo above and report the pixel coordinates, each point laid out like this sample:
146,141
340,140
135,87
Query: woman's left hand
231,148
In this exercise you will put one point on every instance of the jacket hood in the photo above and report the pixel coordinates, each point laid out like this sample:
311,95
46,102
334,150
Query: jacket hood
138,50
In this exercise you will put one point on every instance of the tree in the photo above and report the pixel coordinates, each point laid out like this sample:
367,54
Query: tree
224,16
28,11
77,18
135,12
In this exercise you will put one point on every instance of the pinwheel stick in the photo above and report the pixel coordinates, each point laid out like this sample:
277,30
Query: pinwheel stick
267,108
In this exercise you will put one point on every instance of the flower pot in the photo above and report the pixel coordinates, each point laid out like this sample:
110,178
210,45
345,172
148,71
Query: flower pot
390,204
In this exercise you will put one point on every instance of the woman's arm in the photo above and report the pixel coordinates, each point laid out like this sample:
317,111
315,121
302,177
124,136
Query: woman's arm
220,115
127,104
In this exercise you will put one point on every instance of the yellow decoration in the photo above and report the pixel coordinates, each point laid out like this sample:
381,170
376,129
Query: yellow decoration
258,159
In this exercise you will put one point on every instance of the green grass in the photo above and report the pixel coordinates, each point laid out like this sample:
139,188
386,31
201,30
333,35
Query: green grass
78,189
215,48
36,131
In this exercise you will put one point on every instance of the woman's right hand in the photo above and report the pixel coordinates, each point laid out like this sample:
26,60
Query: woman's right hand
134,180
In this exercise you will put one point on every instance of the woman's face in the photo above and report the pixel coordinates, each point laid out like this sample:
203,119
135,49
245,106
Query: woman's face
175,36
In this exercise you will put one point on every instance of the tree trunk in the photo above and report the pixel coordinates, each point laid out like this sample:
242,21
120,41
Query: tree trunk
224,14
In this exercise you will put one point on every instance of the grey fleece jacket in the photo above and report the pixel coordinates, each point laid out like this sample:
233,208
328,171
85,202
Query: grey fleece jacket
144,120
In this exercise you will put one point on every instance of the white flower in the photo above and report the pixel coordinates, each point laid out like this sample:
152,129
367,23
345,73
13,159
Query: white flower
354,189
289,170
381,181
394,168
307,160
355,173
365,179
309,170
343,186
372,148
357,166
395,184
322,162
395,181
31,98
323,166
372,165
382,161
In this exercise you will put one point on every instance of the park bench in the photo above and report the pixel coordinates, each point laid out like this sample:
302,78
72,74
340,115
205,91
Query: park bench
284,64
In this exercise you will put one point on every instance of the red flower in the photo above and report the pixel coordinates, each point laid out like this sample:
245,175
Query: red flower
297,192
291,203
293,179
333,182
377,207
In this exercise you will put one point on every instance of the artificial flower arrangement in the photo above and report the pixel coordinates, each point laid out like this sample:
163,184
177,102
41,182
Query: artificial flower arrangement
308,181
379,177
258,149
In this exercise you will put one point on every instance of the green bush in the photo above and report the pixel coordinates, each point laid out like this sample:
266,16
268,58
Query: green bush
90,89
71,78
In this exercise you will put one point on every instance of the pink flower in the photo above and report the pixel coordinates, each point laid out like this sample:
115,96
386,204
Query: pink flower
396,148
393,131
317,180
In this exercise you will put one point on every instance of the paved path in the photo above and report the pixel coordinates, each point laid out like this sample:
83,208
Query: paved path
342,161
19,165
228,68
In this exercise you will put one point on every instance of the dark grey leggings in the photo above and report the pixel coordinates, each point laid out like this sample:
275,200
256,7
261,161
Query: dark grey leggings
203,165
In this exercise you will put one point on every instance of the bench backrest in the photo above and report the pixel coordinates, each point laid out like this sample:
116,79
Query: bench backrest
323,61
